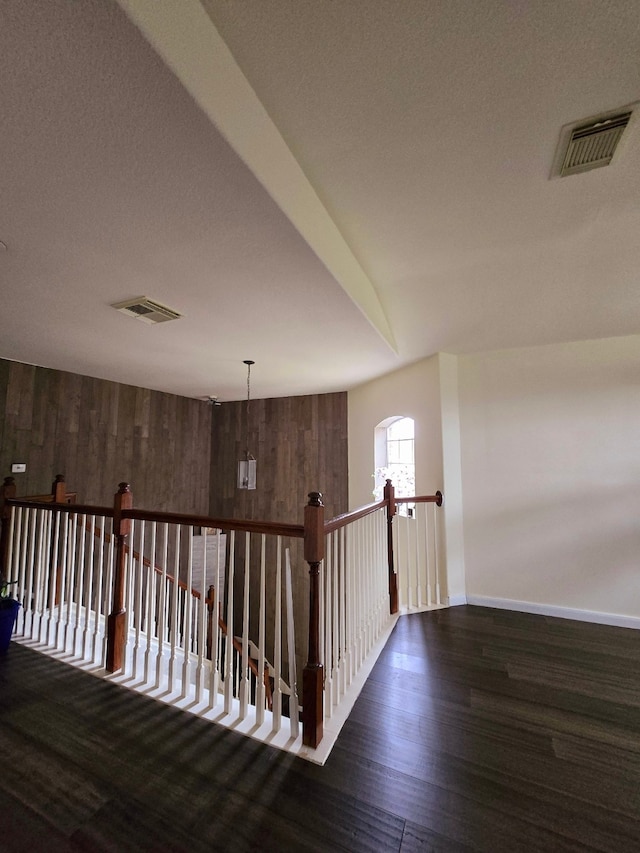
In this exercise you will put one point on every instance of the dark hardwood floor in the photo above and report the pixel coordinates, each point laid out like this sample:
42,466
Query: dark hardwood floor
478,730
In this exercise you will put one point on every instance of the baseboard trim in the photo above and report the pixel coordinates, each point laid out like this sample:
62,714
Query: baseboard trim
595,616
457,600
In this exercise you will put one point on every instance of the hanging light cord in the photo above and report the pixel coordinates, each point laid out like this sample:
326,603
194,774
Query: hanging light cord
248,386
248,363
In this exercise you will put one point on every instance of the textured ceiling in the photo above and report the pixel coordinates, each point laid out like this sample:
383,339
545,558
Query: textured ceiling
376,192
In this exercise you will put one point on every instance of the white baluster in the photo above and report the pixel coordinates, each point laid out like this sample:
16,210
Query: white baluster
152,603
277,642
427,556
200,672
36,586
162,606
27,557
188,618
328,638
244,682
137,575
228,651
88,587
346,610
173,621
215,629
260,689
96,646
78,587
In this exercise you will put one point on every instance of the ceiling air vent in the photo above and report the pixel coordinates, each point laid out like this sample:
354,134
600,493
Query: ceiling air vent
593,145
147,310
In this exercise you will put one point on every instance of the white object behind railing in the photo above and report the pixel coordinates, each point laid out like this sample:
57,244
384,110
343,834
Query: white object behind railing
419,562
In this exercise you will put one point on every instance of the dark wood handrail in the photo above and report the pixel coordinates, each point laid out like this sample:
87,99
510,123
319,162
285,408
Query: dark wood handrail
422,499
74,509
275,528
70,497
349,517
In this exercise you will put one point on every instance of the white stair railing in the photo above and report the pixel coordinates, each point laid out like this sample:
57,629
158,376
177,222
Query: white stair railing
354,601
63,564
419,558
181,647
208,618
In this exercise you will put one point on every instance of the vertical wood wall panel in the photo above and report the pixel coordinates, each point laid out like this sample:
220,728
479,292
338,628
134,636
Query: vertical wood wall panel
301,446
178,454
99,433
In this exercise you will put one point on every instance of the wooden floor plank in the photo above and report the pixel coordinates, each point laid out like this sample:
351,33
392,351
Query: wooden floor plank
478,729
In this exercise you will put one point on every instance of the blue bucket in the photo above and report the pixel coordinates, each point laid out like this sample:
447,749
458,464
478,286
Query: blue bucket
8,614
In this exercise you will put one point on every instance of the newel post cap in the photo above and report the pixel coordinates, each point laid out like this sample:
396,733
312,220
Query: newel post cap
122,501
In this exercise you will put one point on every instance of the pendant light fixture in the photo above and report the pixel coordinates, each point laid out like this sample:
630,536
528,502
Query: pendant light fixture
247,466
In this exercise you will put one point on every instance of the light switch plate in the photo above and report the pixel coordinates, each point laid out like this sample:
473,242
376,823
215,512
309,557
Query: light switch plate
18,468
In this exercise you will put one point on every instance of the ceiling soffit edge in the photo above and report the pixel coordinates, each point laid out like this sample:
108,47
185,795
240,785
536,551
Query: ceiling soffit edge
188,42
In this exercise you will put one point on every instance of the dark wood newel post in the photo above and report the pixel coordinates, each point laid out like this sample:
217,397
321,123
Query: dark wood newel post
390,498
7,492
59,496
210,623
59,490
117,619
313,673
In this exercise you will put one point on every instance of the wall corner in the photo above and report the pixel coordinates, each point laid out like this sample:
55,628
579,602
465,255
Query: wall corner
452,475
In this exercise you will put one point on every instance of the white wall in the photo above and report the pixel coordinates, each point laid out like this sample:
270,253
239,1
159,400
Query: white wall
451,463
551,475
427,392
413,392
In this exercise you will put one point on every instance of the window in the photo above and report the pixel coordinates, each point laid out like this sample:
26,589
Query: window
400,461
394,457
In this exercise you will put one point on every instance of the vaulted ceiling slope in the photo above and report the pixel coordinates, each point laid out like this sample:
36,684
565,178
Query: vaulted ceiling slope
333,189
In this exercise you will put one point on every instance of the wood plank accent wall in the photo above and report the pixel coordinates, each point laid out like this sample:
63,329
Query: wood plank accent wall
301,446
99,433
178,454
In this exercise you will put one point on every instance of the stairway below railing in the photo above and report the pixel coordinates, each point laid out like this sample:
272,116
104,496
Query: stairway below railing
111,589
